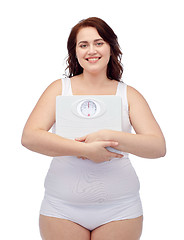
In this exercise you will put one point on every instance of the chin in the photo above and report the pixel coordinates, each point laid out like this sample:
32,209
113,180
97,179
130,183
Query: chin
95,69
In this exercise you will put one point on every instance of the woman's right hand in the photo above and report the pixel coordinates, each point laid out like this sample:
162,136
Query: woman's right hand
97,152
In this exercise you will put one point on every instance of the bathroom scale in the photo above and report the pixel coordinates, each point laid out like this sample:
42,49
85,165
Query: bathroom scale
79,115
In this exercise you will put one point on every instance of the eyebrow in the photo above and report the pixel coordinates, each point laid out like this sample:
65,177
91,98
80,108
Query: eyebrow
96,40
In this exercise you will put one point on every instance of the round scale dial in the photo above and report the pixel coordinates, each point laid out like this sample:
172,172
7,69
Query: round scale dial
88,108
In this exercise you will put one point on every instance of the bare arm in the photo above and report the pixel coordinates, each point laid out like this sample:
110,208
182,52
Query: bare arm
37,138
35,134
148,142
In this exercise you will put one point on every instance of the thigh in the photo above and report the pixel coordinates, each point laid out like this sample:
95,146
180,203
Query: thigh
52,228
130,229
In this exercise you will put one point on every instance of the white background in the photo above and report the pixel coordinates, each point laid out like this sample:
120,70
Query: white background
32,52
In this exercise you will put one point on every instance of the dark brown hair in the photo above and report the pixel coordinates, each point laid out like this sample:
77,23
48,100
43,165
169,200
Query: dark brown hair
114,68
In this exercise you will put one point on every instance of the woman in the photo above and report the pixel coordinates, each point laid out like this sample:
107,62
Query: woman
90,192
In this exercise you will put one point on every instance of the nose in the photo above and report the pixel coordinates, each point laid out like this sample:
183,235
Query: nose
92,49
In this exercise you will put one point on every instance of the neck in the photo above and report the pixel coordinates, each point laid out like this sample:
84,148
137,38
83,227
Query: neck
94,80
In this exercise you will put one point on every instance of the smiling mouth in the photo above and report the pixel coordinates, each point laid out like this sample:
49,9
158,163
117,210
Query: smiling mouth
94,59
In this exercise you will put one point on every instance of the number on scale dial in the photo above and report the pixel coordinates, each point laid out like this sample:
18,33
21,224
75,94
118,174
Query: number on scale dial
88,108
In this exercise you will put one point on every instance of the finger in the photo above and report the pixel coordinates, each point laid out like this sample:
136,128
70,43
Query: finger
118,155
110,144
83,158
115,155
81,139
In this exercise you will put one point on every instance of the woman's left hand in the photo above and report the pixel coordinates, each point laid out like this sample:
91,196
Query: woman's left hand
101,135
92,137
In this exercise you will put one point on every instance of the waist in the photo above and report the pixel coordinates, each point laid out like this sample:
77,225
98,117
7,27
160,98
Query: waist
83,181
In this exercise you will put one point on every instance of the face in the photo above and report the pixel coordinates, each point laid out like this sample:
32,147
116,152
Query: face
92,52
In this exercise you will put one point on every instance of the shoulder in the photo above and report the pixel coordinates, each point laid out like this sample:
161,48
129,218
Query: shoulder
136,101
55,87
57,84
53,90
131,91
134,96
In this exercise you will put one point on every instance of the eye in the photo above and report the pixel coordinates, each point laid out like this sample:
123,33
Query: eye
83,45
99,44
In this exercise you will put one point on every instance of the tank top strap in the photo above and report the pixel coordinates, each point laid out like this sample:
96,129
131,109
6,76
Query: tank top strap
66,87
122,92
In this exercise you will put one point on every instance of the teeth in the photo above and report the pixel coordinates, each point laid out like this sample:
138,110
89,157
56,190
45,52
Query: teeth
92,59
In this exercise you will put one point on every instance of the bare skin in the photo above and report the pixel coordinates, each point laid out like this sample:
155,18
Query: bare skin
130,229
61,229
